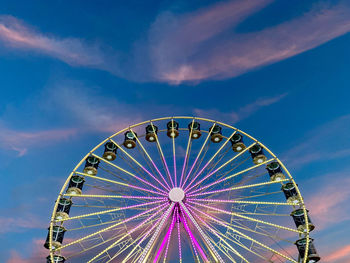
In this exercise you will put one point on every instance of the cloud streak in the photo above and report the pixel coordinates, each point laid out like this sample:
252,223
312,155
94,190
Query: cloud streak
243,112
74,51
342,254
179,56
21,141
192,47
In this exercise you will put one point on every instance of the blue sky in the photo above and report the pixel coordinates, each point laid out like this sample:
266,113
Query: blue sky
73,72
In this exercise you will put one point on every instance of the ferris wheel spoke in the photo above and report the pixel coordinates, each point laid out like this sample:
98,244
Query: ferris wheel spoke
238,188
140,165
198,155
142,238
216,233
145,253
246,217
231,176
120,183
243,235
178,234
127,234
194,242
110,211
174,156
166,240
188,188
129,173
159,147
205,239
150,159
187,153
223,237
239,202
159,208
117,197
211,159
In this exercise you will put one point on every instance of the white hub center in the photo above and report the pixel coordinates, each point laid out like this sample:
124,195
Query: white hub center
176,195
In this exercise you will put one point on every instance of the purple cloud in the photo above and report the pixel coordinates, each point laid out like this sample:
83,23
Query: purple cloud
190,48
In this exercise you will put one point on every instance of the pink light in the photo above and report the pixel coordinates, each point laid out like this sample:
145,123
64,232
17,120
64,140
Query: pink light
166,238
193,239
155,166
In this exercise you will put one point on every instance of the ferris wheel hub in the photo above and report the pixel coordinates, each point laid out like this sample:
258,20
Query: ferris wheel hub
176,195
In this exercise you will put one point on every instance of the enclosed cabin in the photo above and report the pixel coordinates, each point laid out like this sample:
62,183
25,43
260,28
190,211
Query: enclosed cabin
110,152
257,153
299,220
56,259
91,165
275,171
312,255
151,133
75,186
130,139
237,142
63,208
291,194
173,129
216,133
195,130
57,237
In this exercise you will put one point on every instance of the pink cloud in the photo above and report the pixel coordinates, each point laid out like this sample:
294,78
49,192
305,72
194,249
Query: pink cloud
340,255
328,205
76,52
190,47
243,112
20,141
38,254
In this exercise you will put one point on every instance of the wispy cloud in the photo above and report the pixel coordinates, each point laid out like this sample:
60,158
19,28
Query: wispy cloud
340,255
243,112
327,142
74,51
191,47
39,253
20,141
18,224
328,204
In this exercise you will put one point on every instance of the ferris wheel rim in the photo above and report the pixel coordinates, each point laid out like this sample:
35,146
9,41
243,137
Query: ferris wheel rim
129,128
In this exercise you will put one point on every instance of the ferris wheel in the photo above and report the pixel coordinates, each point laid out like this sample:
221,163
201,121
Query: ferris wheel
180,189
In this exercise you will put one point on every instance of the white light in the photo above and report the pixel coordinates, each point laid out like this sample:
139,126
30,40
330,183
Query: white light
176,194
216,139
278,179
89,172
239,148
73,193
109,157
151,138
260,160
59,217
172,134
296,201
195,135
129,145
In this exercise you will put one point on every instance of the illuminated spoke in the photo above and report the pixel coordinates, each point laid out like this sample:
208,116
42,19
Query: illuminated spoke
211,159
150,159
140,165
131,174
243,235
187,153
246,217
230,176
160,207
110,211
127,234
123,184
162,156
239,202
197,157
188,188
237,188
150,243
